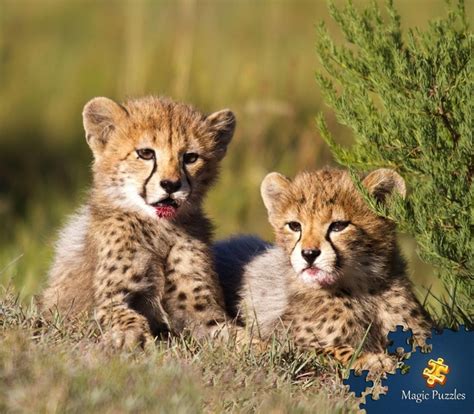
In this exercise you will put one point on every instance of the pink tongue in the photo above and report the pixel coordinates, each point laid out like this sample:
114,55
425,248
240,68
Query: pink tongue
324,278
165,211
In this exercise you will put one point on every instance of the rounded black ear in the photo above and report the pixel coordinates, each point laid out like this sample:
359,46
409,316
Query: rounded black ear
271,189
384,182
100,117
222,124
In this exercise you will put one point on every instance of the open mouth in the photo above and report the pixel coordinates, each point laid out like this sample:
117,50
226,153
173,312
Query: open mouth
166,208
314,274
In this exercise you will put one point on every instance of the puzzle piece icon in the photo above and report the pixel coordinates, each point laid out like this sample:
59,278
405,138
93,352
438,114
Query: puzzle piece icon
358,383
399,339
436,372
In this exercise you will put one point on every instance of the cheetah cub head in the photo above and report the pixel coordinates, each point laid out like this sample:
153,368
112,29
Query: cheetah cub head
329,232
152,155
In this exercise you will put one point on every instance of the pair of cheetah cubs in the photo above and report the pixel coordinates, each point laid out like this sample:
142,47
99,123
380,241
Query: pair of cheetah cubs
139,256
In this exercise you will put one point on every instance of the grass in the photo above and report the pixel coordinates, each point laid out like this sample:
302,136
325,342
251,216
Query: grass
54,368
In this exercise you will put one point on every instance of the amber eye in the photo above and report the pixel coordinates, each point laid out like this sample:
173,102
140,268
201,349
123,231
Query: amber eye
294,226
190,157
338,226
146,153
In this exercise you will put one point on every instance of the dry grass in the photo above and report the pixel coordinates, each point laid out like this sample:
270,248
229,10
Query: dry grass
54,368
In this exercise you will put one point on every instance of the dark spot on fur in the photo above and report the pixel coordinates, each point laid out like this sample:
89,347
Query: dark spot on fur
199,307
211,322
414,313
345,352
125,268
112,268
197,289
181,296
171,288
136,277
330,330
177,261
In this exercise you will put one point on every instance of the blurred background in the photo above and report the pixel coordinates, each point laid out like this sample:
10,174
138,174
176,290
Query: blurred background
255,57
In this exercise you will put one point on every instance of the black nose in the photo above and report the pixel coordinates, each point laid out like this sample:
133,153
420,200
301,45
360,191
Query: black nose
170,186
310,255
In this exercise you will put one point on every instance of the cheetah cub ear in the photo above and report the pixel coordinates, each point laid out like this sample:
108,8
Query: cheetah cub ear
272,188
384,182
222,126
100,117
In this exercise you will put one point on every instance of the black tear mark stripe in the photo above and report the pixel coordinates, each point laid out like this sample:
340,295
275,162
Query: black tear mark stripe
153,170
188,179
297,241
170,124
336,251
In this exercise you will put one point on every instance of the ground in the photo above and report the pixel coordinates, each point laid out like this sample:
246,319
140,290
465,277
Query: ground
53,369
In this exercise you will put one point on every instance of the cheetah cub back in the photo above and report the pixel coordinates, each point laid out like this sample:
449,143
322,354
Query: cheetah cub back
137,253
335,273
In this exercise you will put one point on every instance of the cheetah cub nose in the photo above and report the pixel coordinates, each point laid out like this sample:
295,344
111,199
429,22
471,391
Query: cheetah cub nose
310,255
170,186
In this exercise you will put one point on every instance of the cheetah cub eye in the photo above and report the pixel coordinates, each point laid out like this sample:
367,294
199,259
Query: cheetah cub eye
190,157
294,226
337,226
146,154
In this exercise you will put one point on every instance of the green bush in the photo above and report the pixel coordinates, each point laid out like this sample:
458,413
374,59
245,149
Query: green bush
407,98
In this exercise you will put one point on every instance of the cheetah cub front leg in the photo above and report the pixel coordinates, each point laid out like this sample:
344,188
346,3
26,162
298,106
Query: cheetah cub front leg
192,298
126,276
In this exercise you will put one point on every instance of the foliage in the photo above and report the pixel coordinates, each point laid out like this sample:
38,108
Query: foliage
408,98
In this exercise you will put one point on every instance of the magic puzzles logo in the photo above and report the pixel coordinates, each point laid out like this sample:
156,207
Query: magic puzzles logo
435,375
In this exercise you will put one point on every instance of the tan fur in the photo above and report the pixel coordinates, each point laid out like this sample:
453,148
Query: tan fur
360,285
140,273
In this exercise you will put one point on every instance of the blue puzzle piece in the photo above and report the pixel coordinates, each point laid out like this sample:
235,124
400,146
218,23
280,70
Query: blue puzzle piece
410,393
357,383
399,339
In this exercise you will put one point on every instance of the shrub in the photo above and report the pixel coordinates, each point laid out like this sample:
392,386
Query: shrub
407,98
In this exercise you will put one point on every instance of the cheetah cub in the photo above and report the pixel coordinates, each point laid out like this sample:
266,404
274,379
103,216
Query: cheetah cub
335,274
137,253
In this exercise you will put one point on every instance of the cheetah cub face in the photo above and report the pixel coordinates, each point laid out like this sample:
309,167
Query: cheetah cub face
329,232
154,156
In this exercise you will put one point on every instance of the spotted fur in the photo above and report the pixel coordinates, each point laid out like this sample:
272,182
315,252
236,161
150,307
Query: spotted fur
137,253
356,282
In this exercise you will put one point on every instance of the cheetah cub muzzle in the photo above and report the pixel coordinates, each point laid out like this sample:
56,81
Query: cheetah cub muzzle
137,255
335,274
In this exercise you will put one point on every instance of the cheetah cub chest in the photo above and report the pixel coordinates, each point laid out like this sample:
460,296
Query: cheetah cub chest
137,253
